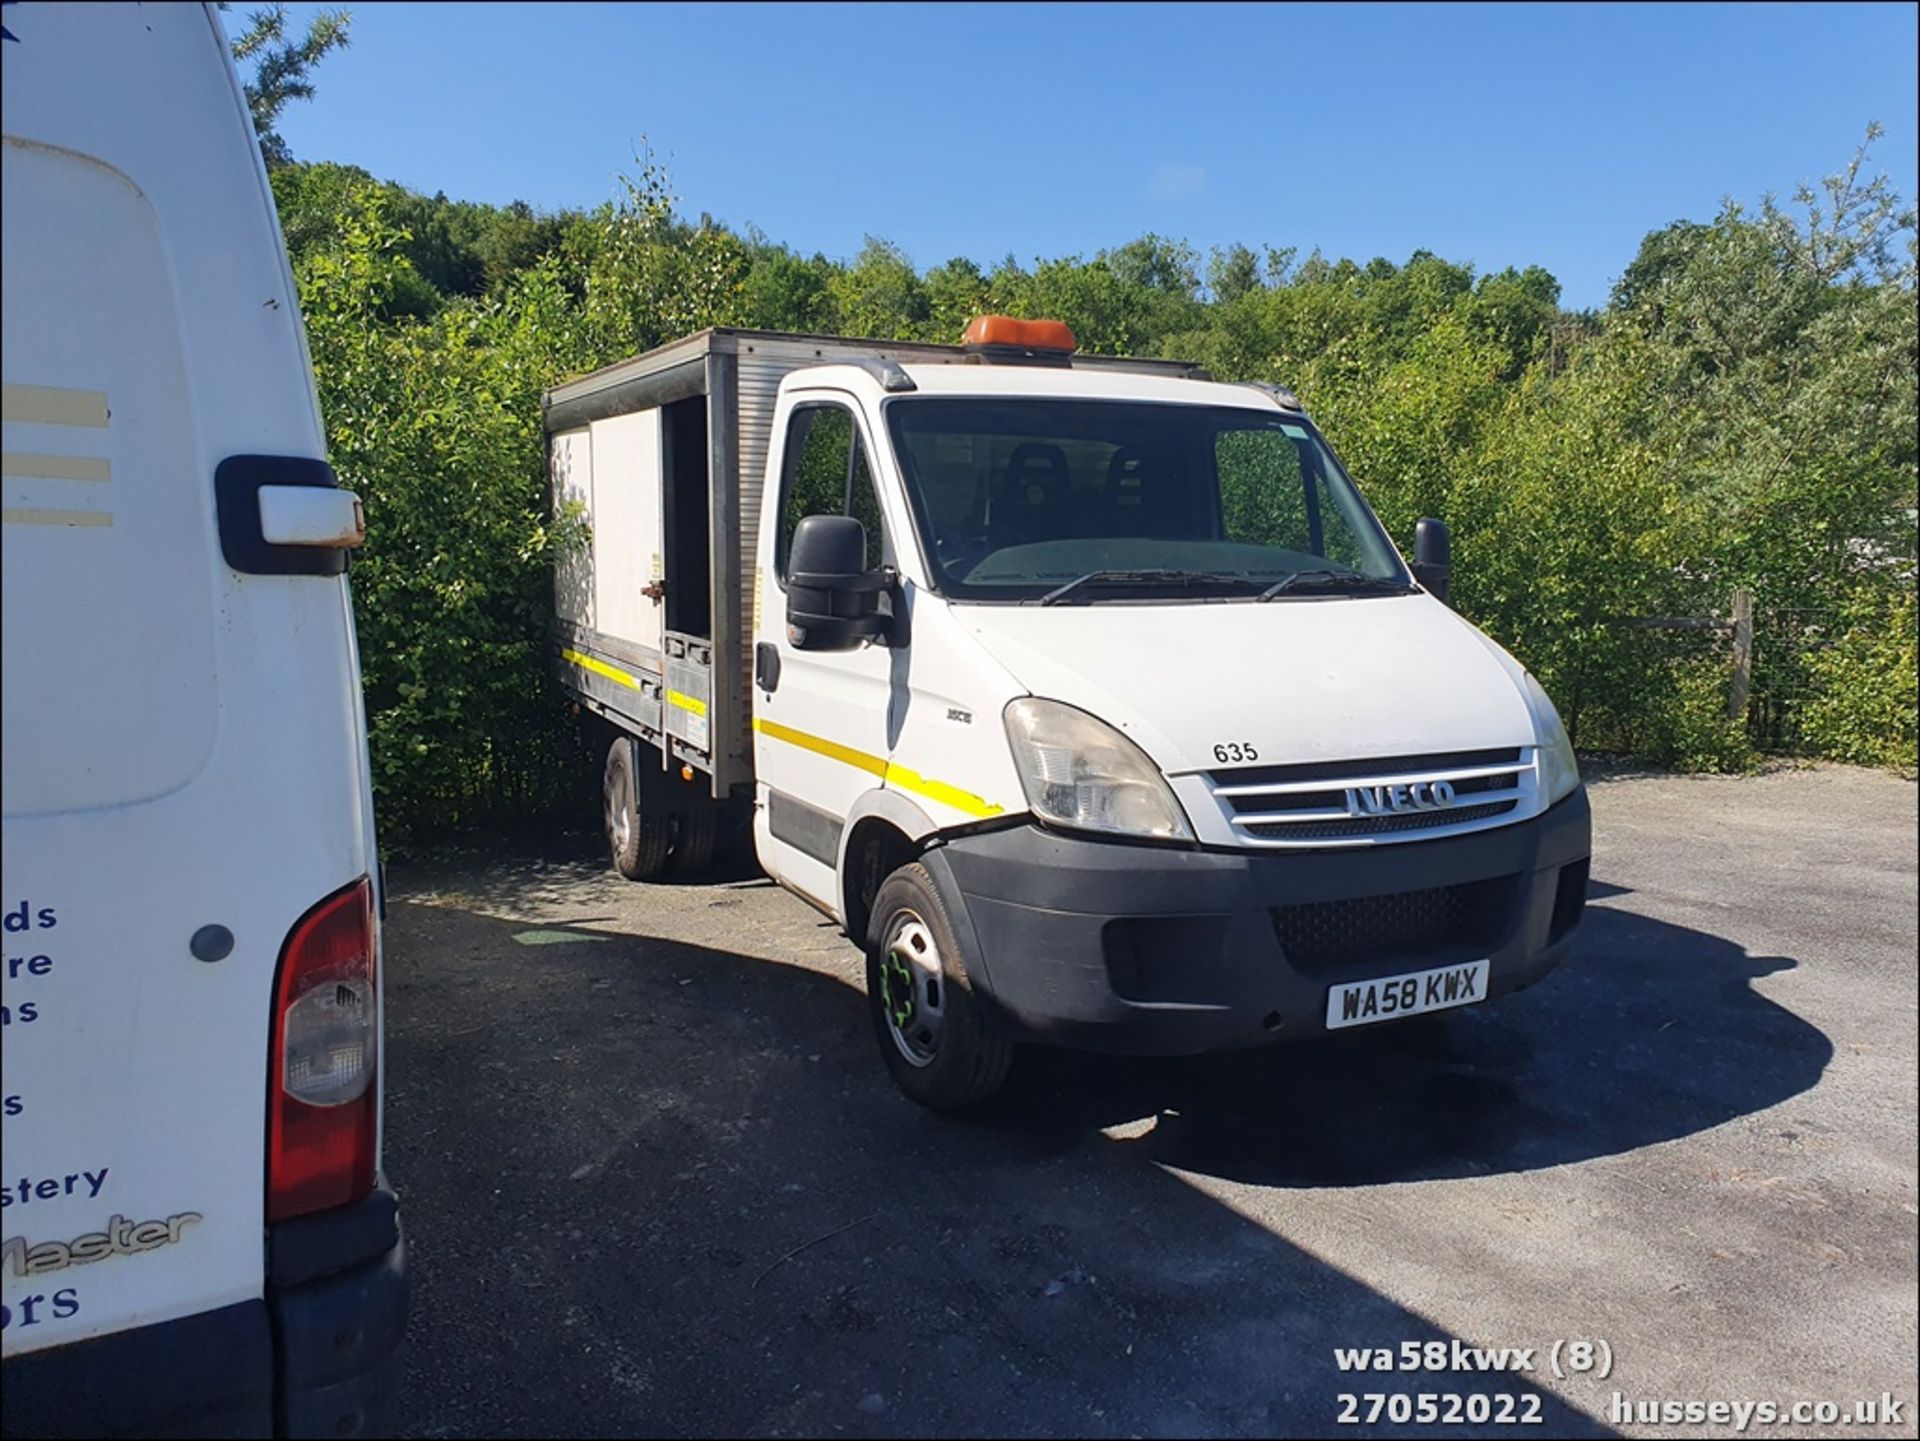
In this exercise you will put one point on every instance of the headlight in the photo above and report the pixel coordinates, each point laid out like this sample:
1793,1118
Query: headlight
1081,772
1557,766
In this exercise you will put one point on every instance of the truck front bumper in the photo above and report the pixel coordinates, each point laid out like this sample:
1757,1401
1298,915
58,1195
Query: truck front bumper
317,1356
1146,949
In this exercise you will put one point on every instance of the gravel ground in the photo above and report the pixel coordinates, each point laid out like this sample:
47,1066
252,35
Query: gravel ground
655,1179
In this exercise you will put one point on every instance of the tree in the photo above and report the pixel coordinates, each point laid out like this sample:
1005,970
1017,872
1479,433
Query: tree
956,292
1232,273
880,294
783,291
1154,262
1742,414
1515,308
283,68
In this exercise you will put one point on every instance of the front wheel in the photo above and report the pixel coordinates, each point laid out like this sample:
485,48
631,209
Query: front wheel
934,1034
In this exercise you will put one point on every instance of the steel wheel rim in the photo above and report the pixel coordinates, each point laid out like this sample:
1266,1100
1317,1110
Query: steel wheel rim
913,989
619,811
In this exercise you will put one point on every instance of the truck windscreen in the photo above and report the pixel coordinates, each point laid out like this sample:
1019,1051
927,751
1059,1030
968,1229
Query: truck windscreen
1016,499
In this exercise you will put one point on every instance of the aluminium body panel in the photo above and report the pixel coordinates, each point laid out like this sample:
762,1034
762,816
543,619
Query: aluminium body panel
688,718
626,540
618,677
626,684
570,472
739,372
672,371
729,576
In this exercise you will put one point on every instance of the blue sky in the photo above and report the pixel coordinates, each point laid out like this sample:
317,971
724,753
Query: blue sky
1499,135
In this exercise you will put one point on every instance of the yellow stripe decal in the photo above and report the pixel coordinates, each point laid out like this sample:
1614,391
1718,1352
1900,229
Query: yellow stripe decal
687,702
940,791
832,750
599,667
56,467
50,405
894,775
57,517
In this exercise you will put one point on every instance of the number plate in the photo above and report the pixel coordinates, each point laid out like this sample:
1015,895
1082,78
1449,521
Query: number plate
1362,1003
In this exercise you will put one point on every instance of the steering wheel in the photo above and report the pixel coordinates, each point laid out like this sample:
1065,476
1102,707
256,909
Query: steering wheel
961,553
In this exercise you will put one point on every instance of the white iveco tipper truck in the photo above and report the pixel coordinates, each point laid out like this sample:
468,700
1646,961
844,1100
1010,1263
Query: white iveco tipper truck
1087,694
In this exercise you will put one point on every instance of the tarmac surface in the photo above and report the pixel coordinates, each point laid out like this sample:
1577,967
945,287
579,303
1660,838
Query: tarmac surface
655,1179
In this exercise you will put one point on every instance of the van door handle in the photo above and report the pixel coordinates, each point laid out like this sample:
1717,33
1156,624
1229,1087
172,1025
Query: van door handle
311,515
766,666
284,515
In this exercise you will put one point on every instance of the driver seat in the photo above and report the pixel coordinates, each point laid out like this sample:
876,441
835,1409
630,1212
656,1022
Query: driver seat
1032,487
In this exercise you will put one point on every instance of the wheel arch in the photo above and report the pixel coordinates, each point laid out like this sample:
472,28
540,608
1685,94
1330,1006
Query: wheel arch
884,832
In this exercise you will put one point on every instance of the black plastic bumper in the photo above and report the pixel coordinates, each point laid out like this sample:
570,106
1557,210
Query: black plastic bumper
315,1357
1158,950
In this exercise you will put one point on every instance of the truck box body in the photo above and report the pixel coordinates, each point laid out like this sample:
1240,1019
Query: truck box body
665,456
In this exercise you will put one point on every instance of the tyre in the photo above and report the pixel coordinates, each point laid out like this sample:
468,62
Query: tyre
637,829
697,830
934,1033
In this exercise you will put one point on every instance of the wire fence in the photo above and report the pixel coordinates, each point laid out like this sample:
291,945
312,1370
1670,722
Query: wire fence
1786,643
1771,664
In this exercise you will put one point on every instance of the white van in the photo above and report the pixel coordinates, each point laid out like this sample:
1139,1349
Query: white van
1087,694
197,1239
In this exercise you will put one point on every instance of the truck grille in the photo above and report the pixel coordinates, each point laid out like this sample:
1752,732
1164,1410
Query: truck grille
1305,803
1319,935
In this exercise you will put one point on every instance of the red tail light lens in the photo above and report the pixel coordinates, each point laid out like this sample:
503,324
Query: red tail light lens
322,1100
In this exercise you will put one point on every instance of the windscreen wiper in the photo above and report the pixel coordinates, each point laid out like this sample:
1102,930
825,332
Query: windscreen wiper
1140,577
1349,581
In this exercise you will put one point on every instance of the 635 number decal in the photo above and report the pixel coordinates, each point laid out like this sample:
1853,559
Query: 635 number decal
1229,751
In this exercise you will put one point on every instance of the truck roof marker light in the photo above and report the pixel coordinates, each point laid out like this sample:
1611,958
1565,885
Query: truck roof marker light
892,377
1282,395
1008,340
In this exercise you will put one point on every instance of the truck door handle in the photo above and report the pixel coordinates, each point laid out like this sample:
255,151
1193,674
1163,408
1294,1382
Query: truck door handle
766,666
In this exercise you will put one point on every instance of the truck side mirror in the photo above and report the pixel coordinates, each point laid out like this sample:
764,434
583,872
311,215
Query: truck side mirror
833,600
1433,556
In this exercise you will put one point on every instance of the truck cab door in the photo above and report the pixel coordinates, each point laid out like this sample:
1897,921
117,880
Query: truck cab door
821,718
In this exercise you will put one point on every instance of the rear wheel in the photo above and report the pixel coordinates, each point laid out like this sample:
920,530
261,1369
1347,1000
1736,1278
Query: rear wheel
693,845
638,828
934,1034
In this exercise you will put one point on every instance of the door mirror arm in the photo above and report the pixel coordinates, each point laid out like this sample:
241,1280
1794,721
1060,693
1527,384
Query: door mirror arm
899,632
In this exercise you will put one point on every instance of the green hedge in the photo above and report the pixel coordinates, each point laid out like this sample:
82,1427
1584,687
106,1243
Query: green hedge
1742,414
1864,698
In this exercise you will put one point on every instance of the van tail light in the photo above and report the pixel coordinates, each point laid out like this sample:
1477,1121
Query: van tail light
322,1102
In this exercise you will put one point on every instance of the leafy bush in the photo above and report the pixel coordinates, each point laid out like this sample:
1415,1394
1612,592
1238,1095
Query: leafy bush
435,424
1865,694
1742,414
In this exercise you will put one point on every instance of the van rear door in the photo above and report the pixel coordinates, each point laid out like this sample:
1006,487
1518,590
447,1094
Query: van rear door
185,770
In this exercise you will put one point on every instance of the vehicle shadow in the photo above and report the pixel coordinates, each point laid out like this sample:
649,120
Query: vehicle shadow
1650,1032
652,1187
553,869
